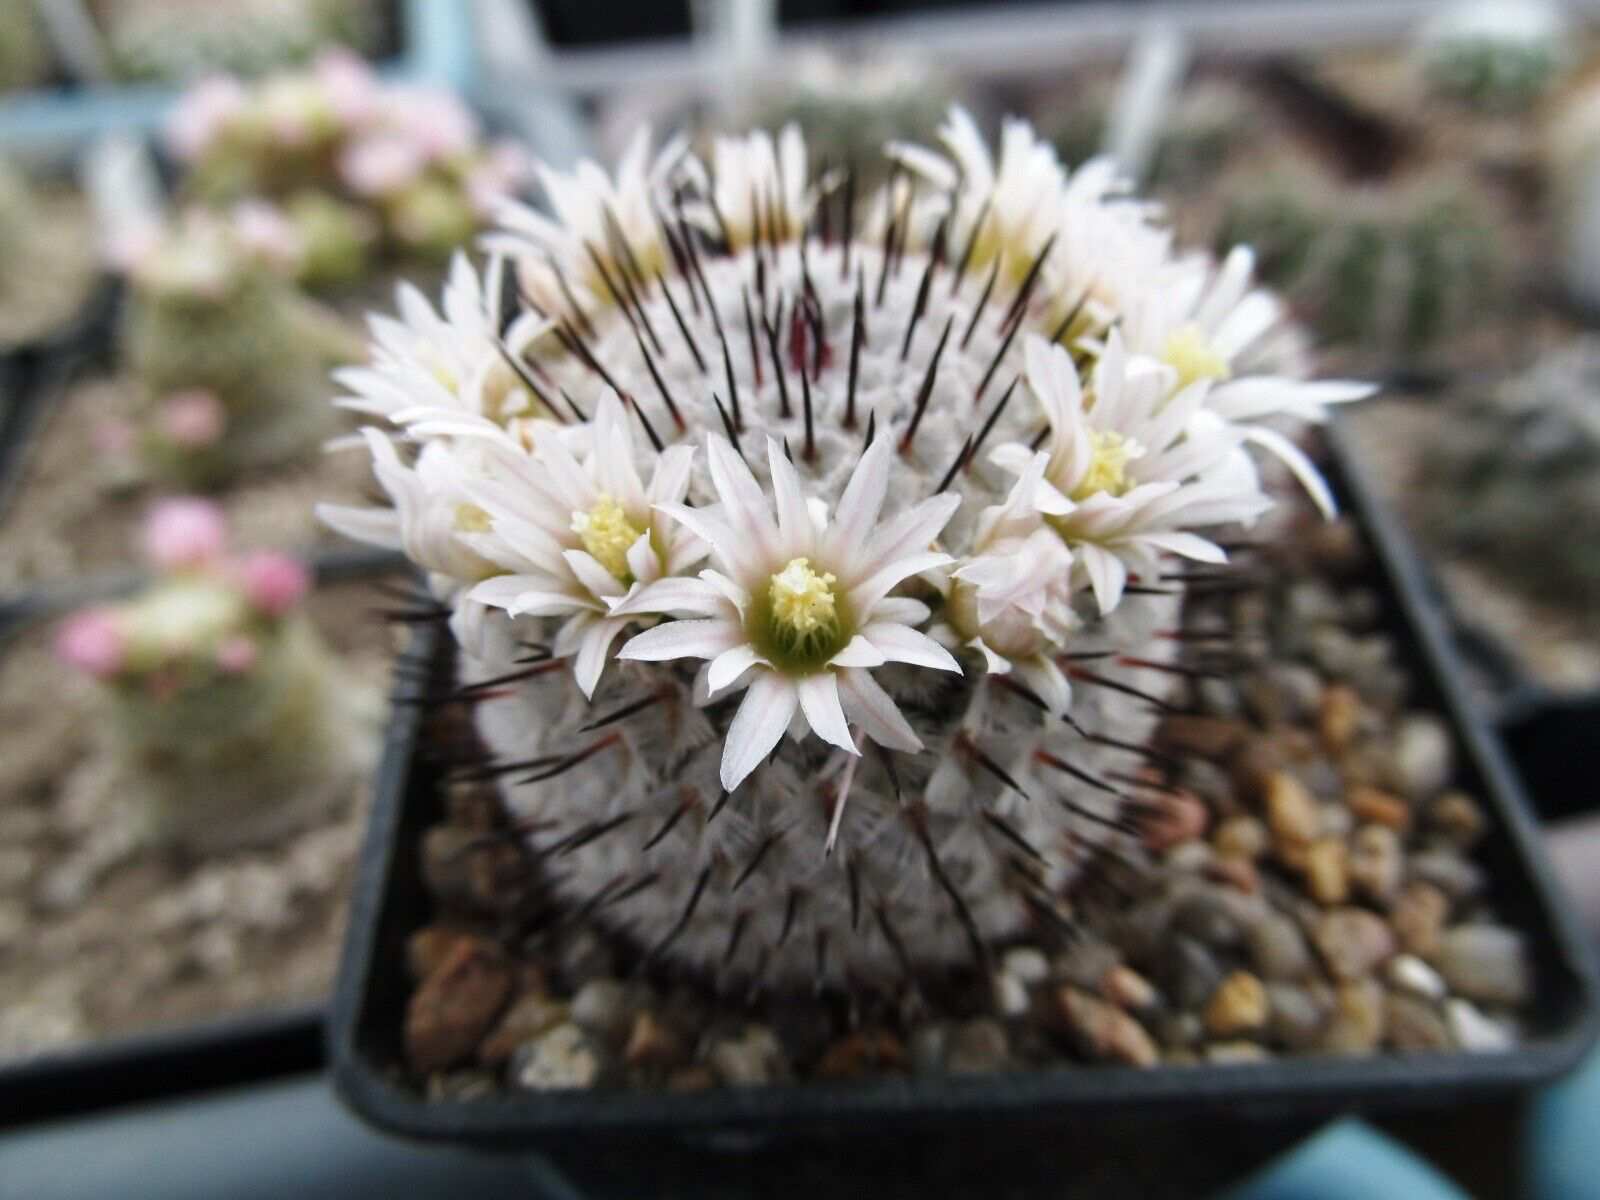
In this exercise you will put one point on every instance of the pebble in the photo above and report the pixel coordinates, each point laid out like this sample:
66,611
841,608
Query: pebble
1418,916
1357,1025
868,1051
1447,870
754,1057
560,1058
446,852
462,1085
1339,716
1104,1031
1472,1030
693,1078
1414,1024
978,1047
1485,962
585,956
1211,738
1171,819
1295,1018
1411,974
456,1005
1458,817
1210,918
1240,874
1225,1054
1292,815
428,946
1189,973
601,1006
1126,988
1423,757
1240,836
1278,948
1327,877
529,1016
1377,862
652,1044
1239,1005
1010,995
1352,941
1380,807
927,1048
1336,819
1027,963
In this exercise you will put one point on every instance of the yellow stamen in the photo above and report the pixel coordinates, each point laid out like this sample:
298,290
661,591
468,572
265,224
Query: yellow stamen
1194,358
1108,469
606,534
472,519
803,604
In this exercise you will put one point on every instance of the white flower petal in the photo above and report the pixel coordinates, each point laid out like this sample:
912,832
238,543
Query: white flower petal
858,652
683,639
729,665
1303,468
875,711
901,644
860,504
763,716
819,700
592,653
592,575
671,596
1107,575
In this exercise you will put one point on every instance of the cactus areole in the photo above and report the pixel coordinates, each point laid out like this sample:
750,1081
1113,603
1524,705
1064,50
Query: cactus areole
809,552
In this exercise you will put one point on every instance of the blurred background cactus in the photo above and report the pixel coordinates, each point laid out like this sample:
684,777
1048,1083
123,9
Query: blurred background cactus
232,359
47,255
228,727
1493,54
25,57
1385,271
363,168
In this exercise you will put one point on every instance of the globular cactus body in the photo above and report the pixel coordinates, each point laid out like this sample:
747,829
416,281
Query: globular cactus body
844,455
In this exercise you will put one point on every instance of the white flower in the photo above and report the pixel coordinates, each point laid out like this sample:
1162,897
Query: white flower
594,220
580,537
427,361
800,612
758,188
430,513
1011,599
1133,470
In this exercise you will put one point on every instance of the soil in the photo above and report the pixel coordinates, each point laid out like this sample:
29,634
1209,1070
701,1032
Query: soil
100,937
68,521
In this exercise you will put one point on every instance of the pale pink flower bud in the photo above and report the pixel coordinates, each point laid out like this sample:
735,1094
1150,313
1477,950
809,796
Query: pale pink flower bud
200,115
496,177
112,437
265,232
92,642
193,418
349,86
273,583
184,532
381,164
237,654
438,122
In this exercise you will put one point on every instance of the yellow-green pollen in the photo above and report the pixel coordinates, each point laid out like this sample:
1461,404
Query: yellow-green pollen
1108,469
803,618
472,519
606,534
1193,357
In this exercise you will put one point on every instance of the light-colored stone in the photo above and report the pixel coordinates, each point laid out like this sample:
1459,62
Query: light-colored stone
1423,755
1278,948
1241,836
558,1059
1104,1031
601,1007
1488,963
1239,1005
1357,1026
1473,1031
1418,916
1410,974
1292,816
754,1056
1352,941
1027,963
1379,807
1377,862
1327,877
1010,995
1413,1023
978,1047
1126,988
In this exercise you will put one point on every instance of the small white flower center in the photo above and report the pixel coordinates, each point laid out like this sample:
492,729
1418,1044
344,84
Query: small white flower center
606,533
1192,355
1108,468
803,604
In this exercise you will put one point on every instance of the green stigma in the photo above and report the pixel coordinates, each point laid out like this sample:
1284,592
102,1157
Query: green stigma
799,621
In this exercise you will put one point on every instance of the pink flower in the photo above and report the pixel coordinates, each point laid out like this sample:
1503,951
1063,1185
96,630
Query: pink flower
112,437
381,164
349,86
265,232
193,418
92,642
200,115
273,583
184,532
130,248
495,177
439,124
237,654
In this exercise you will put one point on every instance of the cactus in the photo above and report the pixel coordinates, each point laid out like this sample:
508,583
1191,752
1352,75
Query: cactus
1493,54
231,357
179,39
1514,481
25,58
1208,122
906,484
226,724
1387,271
400,166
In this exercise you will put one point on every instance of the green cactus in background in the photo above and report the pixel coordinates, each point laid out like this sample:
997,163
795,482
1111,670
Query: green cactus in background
222,714
1207,123
1391,270
1493,54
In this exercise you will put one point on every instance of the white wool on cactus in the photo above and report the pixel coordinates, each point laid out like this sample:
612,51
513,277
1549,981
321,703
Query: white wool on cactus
833,531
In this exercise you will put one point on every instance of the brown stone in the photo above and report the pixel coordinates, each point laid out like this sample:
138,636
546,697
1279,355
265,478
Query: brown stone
1459,817
1327,871
1292,816
456,1005
1340,716
652,1044
1379,807
1418,916
1212,738
1239,1005
1377,863
1352,941
1172,818
696,1078
1126,988
1359,1019
1240,836
863,1052
1238,873
529,1016
429,946
1105,1031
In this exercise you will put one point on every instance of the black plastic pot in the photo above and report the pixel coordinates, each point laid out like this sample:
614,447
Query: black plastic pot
1176,1131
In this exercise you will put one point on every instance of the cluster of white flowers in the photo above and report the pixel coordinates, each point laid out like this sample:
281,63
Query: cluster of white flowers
718,295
